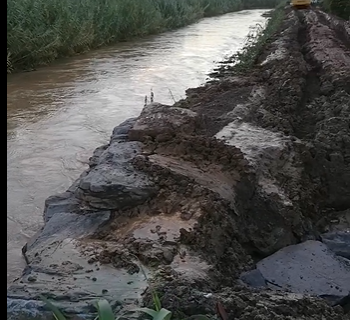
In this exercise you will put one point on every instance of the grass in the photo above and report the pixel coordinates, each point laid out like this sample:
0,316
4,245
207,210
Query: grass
340,8
245,59
40,31
256,40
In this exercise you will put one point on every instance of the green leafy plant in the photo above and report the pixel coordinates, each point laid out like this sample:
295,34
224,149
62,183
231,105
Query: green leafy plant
58,315
162,314
158,313
105,312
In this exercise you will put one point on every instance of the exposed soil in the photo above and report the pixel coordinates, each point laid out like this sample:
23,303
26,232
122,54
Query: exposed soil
243,167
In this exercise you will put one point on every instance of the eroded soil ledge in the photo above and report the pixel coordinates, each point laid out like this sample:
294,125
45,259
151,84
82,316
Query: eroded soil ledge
250,172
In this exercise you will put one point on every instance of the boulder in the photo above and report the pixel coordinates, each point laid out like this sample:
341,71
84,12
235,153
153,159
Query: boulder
112,182
308,268
338,242
158,120
59,264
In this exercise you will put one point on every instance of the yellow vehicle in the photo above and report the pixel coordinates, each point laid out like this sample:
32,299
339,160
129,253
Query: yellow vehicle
300,4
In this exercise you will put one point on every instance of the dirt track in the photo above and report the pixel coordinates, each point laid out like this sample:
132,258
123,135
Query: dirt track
279,175
244,167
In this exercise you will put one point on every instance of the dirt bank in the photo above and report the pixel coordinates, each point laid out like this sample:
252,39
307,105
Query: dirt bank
201,191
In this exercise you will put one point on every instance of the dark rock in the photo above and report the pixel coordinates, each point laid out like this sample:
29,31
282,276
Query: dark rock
307,268
57,262
94,160
344,303
32,278
121,131
54,261
113,183
157,119
64,202
254,278
338,242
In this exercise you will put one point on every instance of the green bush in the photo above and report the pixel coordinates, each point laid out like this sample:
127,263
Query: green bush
245,59
39,31
340,8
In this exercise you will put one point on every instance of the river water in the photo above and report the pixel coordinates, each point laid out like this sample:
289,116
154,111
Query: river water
58,115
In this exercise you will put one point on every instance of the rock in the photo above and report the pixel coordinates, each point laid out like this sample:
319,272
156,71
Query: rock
157,119
307,268
57,259
94,160
338,242
32,278
344,303
112,182
58,269
254,278
121,132
58,203
168,255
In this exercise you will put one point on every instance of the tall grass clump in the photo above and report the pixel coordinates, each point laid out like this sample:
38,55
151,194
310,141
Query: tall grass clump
340,8
256,40
39,31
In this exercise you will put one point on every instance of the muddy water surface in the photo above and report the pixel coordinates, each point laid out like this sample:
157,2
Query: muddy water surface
58,115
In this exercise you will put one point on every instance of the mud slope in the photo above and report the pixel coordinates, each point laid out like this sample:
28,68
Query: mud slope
250,172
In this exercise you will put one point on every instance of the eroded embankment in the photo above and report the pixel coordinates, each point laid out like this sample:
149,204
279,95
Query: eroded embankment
201,192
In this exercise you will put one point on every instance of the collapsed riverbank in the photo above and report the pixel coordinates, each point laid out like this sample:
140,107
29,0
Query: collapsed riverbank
201,192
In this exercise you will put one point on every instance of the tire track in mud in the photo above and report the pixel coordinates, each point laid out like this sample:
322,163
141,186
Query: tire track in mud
324,44
312,83
342,30
317,69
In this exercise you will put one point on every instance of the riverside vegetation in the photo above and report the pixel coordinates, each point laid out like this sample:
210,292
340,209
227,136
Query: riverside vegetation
340,8
39,31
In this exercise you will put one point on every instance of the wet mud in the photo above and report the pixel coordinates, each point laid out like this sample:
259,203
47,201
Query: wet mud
234,201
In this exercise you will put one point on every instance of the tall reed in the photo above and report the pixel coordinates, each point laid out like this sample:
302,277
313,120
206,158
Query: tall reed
39,31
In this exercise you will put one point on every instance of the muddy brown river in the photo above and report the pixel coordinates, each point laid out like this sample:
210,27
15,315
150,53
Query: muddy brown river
58,115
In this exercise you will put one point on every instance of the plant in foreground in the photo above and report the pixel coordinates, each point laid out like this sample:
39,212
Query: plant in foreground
158,313
105,312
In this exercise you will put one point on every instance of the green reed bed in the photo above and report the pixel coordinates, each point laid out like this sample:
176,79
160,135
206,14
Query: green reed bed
39,31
